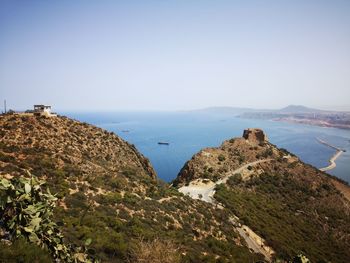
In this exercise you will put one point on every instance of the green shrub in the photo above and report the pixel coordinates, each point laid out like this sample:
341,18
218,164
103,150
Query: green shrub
234,180
20,251
221,158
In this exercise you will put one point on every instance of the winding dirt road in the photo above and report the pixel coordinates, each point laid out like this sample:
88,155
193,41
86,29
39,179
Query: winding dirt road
205,191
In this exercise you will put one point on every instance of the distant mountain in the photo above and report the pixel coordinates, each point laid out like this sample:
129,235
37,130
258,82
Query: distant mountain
226,110
298,109
290,109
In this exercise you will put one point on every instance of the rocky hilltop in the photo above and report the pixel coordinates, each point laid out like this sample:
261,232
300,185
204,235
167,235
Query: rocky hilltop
285,205
109,197
214,163
65,142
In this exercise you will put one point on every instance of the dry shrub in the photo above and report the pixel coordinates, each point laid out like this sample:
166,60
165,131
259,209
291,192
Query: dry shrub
155,251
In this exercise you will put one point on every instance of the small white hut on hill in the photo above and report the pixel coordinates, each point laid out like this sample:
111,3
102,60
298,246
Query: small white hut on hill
44,110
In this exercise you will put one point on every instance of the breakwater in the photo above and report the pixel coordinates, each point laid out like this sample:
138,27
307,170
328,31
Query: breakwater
332,163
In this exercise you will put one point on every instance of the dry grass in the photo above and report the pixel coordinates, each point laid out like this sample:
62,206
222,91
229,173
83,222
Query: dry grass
155,251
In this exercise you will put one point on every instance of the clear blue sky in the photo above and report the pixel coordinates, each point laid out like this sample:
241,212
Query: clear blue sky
173,55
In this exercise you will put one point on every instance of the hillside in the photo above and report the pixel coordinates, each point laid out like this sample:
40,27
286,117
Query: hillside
109,196
291,207
260,202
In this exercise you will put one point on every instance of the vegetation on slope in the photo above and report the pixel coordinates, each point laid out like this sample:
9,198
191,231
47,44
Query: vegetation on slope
293,206
108,193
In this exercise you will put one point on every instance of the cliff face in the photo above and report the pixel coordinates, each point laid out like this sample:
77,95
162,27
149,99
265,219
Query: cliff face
292,205
108,192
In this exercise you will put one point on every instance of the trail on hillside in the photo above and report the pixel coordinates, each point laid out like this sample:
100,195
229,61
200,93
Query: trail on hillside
205,191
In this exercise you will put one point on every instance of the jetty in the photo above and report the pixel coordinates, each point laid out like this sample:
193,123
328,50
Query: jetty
332,160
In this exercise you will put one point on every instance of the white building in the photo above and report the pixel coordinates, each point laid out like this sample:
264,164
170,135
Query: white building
43,110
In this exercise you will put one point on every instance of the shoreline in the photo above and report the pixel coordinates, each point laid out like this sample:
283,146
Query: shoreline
312,122
332,163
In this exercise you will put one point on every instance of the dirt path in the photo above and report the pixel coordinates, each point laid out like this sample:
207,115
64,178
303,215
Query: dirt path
205,191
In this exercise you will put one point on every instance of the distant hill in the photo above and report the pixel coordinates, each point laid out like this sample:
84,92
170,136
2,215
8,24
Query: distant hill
225,110
298,109
290,109
237,110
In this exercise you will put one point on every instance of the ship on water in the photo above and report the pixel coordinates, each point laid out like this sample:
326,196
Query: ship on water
163,143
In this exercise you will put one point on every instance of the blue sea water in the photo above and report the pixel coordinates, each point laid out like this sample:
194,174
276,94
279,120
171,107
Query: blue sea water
187,133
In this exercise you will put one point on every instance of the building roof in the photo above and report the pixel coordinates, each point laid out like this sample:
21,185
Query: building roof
41,105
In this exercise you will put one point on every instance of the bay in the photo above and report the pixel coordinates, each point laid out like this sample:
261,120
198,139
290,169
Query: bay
189,132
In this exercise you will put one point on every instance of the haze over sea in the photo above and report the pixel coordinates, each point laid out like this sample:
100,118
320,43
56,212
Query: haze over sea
189,132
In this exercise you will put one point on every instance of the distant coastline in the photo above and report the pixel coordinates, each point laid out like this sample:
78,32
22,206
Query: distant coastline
292,113
314,122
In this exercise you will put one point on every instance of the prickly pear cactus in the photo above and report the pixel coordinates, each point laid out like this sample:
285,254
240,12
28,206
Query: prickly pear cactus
26,210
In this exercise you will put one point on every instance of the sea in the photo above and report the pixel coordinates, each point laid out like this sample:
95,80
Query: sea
189,132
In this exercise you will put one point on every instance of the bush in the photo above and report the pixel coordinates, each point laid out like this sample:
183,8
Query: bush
267,153
20,251
234,180
221,158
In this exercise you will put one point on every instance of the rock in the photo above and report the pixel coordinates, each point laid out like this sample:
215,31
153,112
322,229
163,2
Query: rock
255,135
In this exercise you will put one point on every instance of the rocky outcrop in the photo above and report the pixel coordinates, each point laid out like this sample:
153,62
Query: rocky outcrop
254,135
214,163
